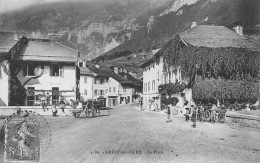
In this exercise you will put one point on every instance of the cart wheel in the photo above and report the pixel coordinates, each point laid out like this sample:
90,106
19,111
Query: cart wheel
78,114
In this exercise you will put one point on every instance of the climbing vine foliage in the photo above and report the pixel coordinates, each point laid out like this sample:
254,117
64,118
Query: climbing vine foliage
226,72
225,89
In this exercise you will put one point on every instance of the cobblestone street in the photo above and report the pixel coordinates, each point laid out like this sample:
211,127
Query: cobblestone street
125,134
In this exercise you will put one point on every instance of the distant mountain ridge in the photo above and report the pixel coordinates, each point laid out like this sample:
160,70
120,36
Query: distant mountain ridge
101,29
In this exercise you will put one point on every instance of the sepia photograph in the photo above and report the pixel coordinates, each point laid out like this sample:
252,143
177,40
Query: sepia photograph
129,81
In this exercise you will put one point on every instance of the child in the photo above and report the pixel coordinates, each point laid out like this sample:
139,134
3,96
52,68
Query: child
54,111
62,105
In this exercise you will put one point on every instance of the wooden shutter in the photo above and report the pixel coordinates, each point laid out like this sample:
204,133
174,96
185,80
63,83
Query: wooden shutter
50,69
61,73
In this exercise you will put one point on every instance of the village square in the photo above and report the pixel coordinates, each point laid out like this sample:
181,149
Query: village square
195,99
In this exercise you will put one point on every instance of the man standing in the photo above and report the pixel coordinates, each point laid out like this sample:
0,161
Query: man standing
169,113
48,99
201,113
194,113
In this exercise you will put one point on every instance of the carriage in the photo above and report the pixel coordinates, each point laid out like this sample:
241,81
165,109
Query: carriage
90,108
212,115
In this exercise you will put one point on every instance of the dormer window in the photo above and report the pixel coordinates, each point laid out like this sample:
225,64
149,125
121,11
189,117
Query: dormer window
80,64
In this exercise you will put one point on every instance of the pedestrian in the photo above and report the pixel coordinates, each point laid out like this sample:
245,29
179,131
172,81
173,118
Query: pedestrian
187,114
54,111
194,113
43,102
169,113
62,105
201,113
141,104
48,99
213,113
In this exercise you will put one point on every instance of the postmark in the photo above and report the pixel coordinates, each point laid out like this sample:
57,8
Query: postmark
26,137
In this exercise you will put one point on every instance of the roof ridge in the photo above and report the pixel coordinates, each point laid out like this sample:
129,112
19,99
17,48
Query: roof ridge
64,46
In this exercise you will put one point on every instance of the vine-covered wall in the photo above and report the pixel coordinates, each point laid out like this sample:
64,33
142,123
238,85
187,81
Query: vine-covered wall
233,72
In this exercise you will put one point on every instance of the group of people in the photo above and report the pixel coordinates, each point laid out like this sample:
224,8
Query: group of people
46,102
196,113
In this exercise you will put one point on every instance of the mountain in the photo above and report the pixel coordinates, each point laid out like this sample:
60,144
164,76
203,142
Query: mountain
106,30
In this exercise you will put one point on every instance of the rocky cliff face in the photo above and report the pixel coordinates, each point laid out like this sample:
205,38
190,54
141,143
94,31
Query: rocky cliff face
110,27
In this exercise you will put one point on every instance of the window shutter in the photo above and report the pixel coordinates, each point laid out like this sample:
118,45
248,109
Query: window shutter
61,71
50,69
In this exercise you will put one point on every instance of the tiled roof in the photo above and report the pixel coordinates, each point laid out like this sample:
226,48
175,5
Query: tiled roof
100,72
122,80
6,41
214,36
48,51
85,71
208,36
108,73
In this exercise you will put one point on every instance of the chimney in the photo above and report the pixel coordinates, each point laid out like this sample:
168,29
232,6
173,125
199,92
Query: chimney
116,70
16,36
97,66
194,24
238,29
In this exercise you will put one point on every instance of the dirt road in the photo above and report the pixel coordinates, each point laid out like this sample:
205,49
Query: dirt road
126,135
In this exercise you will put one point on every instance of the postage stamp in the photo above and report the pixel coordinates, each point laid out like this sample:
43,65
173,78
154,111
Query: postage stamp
23,138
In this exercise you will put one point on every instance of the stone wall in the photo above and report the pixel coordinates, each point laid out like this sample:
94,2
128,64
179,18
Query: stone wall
244,120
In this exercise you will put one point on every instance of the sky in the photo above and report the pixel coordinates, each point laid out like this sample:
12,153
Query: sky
9,5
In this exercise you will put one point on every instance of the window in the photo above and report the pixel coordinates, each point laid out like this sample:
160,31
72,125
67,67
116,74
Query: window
114,89
102,92
80,64
29,69
85,91
95,92
109,89
153,85
149,86
85,79
101,81
56,70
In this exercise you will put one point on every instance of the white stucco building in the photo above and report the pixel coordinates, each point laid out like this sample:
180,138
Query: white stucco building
48,67
86,83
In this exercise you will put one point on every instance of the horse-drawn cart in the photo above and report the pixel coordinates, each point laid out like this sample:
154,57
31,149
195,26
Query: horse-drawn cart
89,108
